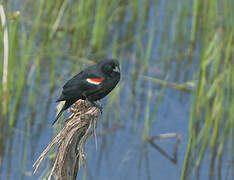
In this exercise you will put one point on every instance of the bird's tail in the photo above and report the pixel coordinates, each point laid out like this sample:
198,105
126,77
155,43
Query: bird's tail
64,107
59,114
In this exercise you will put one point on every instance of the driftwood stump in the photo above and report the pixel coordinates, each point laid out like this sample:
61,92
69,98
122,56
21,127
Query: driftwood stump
71,141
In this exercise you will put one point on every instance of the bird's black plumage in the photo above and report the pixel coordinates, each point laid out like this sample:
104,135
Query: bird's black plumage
92,84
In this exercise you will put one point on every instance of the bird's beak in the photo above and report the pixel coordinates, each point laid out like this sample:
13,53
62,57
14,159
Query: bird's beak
116,69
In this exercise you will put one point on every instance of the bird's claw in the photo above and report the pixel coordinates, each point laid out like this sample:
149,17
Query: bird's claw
97,105
100,108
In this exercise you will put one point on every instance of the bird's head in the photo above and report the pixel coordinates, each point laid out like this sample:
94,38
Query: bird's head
110,67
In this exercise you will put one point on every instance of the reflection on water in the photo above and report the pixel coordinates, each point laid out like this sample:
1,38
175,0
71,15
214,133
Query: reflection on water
160,60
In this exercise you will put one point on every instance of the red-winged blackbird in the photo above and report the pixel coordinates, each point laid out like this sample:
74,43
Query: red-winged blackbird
92,84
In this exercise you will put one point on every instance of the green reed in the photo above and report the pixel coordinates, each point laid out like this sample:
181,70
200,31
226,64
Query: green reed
210,121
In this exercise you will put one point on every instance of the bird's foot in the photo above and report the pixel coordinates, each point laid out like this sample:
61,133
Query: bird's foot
97,105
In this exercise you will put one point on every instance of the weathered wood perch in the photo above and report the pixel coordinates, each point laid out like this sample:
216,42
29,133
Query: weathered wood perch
71,141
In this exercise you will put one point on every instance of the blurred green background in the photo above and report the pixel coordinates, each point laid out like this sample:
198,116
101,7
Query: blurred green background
177,77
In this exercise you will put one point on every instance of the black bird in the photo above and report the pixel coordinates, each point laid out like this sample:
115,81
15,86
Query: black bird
92,84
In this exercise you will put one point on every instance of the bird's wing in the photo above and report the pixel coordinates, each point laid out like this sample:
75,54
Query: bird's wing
79,84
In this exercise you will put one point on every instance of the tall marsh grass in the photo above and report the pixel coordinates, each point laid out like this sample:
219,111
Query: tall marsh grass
211,121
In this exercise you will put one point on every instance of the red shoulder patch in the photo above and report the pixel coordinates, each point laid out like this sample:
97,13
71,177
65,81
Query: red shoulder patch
94,81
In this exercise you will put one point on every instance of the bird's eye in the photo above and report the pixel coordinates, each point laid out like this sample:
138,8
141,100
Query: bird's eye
116,69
